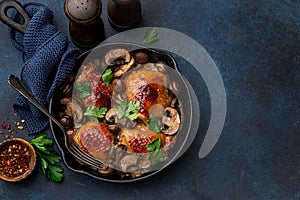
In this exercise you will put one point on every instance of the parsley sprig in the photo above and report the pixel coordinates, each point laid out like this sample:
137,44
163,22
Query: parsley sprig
150,35
98,112
107,76
83,89
49,158
156,153
128,109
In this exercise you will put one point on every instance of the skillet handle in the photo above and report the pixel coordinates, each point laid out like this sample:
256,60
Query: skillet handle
8,4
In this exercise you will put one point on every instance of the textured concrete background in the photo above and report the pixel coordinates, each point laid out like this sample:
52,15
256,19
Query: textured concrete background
256,46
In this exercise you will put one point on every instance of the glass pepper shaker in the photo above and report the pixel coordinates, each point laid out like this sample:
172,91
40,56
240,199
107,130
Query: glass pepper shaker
86,26
124,14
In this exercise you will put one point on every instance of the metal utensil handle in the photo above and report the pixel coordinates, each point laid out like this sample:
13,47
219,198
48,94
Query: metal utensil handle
17,85
5,6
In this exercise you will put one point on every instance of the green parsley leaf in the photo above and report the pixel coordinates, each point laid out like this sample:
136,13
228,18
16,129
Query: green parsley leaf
52,171
156,153
55,173
153,124
49,159
133,116
128,110
107,76
95,112
121,109
41,141
83,89
42,138
155,157
44,165
53,157
150,35
154,145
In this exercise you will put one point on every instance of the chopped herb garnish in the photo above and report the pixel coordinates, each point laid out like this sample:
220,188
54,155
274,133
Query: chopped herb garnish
128,109
153,124
154,145
107,76
155,157
49,159
156,154
150,35
98,112
83,89
50,169
41,141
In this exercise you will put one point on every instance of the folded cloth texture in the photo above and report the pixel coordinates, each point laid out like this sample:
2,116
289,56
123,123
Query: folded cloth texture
50,58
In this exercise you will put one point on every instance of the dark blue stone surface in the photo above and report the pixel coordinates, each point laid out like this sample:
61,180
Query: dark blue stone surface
256,47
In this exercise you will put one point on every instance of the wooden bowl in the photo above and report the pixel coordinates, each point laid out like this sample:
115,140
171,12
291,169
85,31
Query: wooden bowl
24,156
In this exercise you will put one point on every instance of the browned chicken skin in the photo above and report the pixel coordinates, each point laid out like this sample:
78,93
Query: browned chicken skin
96,139
149,88
137,139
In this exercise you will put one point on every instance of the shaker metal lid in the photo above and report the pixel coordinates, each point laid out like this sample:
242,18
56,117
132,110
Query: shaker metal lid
83,11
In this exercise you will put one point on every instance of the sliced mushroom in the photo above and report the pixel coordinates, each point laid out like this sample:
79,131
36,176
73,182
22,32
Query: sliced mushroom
66,121
97,62
64,101
105,170
78,114
174,102
119,98
116,54
118,85
117,153
67,89
129,163
171,121
150,67
122,123
124,68
131,124
112,116
174,86
74,110
144,163
169,142
162,66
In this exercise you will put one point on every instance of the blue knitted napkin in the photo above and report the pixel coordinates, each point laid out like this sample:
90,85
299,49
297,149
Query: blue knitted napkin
50,58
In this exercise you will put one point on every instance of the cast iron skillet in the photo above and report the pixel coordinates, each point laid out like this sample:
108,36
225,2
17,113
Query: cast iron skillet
8,4
183,96
155,55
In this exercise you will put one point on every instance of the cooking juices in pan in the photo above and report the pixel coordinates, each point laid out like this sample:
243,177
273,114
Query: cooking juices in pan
123,108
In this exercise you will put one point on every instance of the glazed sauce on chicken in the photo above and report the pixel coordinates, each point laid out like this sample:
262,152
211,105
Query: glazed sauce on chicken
96,139
100,93
147,95
103,95
137,139
149,88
